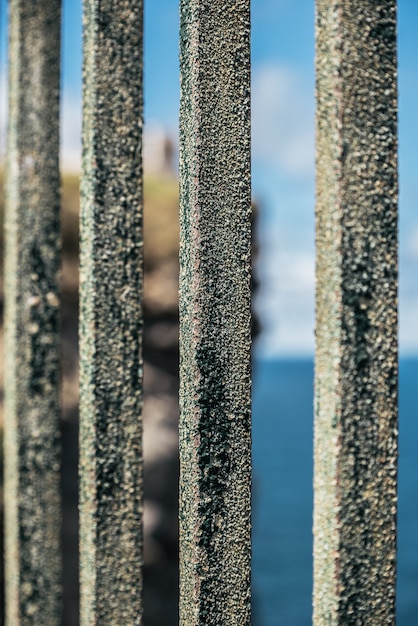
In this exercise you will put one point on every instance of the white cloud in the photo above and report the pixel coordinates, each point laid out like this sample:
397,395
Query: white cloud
70,133
408,331
3,112
283,120
268,9
285,303
411,243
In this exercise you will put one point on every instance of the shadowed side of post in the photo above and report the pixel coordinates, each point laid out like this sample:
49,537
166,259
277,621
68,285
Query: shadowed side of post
32,346
356,328
215,388
111,315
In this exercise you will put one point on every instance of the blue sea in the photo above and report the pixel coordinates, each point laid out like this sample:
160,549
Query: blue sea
283,495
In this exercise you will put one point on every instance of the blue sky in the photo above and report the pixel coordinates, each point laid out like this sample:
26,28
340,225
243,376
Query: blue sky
283,150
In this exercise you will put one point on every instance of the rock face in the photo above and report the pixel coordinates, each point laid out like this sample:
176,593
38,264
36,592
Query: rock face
161,410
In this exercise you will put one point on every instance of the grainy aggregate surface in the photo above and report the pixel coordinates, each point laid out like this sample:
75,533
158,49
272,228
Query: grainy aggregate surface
111,315
32,350
215,251
356,331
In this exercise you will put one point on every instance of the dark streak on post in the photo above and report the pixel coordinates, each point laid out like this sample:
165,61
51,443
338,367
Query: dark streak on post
111,315
356,359
215,387
32,347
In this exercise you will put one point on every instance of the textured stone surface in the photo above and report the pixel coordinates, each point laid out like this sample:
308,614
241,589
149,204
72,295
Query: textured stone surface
32,351
215,406
111,316
356,333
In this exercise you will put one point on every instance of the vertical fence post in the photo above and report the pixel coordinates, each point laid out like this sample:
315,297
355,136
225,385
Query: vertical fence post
356,357
32,348
215,405
111,315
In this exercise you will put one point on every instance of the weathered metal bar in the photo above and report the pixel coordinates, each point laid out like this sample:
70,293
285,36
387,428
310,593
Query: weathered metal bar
356,331
215,405
111,315
32,346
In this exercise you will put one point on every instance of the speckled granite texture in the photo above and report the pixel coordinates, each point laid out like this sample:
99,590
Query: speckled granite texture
215,252
111,316
32,350
356,327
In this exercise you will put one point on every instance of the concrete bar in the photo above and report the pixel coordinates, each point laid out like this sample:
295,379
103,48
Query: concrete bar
111,315
215,404
356,329
32,346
